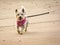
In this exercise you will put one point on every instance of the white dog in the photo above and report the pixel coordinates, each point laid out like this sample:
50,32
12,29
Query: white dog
21,20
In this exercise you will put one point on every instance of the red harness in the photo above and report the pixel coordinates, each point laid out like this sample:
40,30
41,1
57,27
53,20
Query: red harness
21,22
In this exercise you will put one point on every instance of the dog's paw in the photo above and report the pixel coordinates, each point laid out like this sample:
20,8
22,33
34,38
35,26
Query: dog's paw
21,33
18,32
25,30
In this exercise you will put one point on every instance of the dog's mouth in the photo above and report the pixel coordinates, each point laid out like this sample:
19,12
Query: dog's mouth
20,18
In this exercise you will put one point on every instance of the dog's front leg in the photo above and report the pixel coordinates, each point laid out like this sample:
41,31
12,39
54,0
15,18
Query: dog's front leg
18,30
22,28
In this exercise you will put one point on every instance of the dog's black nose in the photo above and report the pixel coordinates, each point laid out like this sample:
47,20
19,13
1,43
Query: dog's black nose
20,18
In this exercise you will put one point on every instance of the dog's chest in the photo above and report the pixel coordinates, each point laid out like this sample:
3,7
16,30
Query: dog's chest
21,22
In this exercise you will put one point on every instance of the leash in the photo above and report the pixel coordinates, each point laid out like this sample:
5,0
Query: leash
38,14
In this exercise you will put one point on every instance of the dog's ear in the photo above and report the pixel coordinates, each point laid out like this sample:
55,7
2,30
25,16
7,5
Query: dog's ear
16,10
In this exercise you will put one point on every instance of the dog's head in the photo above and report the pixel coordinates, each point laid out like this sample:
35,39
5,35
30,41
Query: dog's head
20,14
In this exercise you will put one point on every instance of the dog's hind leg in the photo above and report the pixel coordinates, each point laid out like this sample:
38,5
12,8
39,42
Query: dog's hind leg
26,27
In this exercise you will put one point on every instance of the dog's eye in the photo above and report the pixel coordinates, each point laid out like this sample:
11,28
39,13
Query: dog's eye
21,14
18,14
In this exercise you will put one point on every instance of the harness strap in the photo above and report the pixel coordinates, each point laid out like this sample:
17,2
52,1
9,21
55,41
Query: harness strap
21,22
